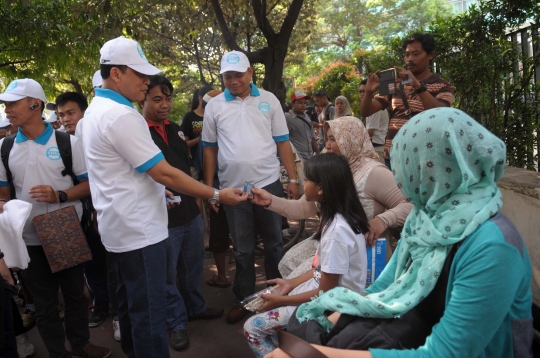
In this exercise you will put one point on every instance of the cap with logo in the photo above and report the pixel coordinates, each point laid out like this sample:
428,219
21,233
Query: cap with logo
234,61
299,95
97,80
19,89
123,51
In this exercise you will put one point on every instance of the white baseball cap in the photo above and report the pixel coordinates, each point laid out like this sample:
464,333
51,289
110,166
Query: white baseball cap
123,51
234,61
52,118
19,89
97,80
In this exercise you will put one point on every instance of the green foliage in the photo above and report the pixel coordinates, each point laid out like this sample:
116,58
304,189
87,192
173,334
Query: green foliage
338,79
494,79
349,28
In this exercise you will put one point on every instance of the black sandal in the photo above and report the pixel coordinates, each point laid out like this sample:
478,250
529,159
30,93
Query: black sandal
215,283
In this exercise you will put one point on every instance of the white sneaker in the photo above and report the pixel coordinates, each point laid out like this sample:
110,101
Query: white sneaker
116,327
24,347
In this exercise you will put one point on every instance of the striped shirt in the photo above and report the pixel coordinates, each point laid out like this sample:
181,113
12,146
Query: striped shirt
439,88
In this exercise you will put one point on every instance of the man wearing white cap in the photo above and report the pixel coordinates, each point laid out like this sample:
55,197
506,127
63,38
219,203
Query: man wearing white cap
5,126
248,124
34,172
97,81
128,178
300,128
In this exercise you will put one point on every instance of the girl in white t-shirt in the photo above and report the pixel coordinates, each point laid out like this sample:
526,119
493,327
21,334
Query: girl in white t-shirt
340,258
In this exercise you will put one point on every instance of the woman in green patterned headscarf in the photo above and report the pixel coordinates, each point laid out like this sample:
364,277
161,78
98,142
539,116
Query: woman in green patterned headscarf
446,164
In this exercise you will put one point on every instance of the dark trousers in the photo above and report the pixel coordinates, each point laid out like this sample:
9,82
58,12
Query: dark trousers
8,344
43,286
18,326
245,220
142,300
112,284
95,271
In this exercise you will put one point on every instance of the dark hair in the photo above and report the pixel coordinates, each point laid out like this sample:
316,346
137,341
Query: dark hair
321,93
106,70
199,92
76,97
163,82
427,41
333,174
363,82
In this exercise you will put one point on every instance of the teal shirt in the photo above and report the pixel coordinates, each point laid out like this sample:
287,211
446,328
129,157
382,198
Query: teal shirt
488,299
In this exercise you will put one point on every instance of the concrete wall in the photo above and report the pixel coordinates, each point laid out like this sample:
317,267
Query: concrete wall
521,204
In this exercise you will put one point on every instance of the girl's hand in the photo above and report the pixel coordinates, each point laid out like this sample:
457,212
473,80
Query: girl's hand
376,228
272,301
284,285
261,197
277,353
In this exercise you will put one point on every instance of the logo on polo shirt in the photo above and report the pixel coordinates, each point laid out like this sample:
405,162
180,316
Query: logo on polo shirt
181,135
53,153
264,107
141,53
233,59
12,86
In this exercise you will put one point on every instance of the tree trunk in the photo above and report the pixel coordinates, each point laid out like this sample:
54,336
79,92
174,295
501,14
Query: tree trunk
273,75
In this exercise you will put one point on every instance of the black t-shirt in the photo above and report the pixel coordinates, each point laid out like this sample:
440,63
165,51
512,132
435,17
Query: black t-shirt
192,127
176,154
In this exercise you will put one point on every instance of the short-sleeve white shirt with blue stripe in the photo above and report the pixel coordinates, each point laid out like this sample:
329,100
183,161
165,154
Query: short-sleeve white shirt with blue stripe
131,207
246,132
38,162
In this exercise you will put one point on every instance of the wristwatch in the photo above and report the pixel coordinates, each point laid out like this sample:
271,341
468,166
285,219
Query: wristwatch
294,181
215,198
422,88
62,196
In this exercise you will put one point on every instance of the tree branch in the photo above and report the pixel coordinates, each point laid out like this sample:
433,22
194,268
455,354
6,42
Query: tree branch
13,63
288,24
227,35
259,10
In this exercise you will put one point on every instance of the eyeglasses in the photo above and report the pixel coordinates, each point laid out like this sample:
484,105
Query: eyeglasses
361,91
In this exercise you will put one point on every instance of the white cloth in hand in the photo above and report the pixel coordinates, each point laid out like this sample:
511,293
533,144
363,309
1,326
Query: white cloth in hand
12,222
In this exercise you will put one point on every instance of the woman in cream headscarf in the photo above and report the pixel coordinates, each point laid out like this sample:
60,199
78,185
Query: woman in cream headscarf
381,199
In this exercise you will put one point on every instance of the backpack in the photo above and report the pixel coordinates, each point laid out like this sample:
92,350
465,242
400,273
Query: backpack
64,145
327,111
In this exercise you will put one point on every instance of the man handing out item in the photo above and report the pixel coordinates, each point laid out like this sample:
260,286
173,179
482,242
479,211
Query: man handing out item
128,175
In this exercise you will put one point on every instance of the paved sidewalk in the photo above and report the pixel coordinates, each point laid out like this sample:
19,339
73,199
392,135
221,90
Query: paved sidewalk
208,339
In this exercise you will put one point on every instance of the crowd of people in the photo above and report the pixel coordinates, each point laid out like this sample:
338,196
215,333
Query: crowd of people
145,188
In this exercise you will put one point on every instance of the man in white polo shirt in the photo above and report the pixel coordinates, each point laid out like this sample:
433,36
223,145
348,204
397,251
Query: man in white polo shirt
36,169
128,175
247,124
376,125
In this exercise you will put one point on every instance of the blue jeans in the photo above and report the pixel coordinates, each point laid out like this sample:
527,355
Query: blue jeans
245,221
185,257
141,300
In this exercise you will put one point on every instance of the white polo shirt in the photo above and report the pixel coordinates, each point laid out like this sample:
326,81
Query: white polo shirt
379,122
246,132
131,208
38,162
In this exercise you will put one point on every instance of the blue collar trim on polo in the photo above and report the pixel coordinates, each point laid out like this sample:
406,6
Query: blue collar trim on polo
254,92
42,139
113,95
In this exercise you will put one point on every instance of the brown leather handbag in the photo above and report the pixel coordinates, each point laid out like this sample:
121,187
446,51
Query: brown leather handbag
62,238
